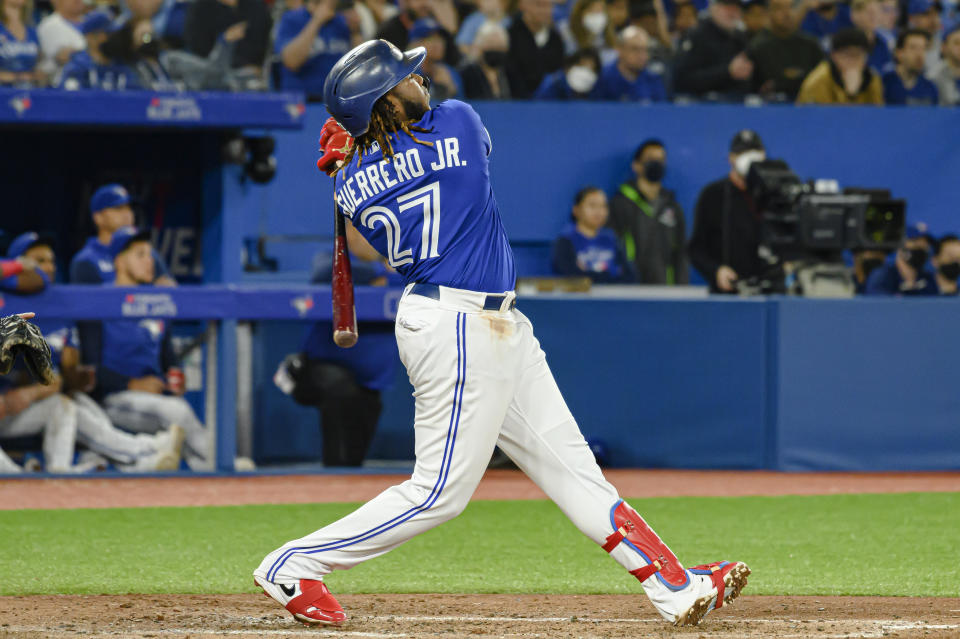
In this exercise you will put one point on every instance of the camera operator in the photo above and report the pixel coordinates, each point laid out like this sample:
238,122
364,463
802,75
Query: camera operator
724,246
865,262
909,273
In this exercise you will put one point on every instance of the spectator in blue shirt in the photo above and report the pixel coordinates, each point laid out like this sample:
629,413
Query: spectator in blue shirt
309,42
445,82
19,45
627,79
586,247
576,81
93,264
824,18
866,17
906,84
909,273
90,68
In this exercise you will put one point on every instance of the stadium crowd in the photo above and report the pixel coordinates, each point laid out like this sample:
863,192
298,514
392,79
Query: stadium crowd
808,51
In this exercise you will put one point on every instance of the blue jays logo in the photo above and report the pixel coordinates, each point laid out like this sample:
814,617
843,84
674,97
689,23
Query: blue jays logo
154,327
295,110
302,304
21,104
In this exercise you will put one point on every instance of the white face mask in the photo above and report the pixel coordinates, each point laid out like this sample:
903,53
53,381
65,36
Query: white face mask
743,161
581,79
595,23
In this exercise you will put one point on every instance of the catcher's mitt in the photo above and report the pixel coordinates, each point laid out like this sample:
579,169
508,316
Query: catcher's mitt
20,337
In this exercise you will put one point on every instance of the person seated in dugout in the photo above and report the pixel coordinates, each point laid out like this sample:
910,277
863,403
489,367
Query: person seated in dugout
586,247
138,377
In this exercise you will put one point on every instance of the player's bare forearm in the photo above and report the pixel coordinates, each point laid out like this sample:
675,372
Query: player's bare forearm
360,247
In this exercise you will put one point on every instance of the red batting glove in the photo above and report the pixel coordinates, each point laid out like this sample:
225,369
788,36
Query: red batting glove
335,143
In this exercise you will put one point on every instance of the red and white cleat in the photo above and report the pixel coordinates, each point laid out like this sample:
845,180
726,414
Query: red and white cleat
726,580
309,601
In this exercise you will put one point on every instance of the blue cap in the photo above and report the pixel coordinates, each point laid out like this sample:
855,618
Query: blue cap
424,28
953,28
109,196
26,241
916,7
913,231
96,21
126,236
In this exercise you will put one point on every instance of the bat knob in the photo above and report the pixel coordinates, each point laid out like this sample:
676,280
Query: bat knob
344,339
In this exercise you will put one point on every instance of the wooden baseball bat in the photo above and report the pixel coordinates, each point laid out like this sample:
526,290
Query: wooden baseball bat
344,310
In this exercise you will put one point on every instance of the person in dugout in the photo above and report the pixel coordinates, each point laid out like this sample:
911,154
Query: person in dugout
345,384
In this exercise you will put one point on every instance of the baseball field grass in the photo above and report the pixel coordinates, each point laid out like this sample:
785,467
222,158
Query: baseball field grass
904,544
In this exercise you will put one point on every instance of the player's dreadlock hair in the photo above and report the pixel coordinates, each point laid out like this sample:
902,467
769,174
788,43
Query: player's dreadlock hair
384,122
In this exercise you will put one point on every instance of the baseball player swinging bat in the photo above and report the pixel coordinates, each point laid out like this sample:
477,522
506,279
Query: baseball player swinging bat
344,311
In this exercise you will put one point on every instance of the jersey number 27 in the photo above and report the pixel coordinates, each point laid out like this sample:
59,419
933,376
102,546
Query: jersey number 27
428,199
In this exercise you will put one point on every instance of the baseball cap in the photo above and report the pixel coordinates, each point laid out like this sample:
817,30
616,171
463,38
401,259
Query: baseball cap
424,28
126,236
736,3
916,230
850,37
109,196
26,241
916,7
746,140
96,21
953,28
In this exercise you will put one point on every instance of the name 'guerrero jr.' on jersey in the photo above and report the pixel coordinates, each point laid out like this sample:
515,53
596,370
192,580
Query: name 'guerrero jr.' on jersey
430,210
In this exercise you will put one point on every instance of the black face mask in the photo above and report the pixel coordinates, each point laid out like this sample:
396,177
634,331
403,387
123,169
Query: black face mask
654,170
950,270
869,265
495,59
916,258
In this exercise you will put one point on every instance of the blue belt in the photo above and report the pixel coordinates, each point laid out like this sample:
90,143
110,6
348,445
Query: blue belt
490,303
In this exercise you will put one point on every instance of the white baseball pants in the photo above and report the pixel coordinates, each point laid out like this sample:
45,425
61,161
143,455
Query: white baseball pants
480,379
97,432
141,412
56,418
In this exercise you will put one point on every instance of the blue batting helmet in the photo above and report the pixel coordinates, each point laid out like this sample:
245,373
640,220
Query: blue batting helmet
362,76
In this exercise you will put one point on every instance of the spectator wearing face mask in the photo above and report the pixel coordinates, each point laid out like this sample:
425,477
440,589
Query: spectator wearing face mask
906,85
536,48
947,75
844,78
445,82
909,273
589,26
576,81
865,15
627,78
649,221
485,79
712,57
585,247
866,262
783,56
396,30
947,262
727,226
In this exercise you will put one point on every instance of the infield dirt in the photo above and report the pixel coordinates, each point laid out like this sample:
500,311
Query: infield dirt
475,616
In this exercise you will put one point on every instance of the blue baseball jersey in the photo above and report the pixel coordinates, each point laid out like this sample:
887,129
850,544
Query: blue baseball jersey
430,210
133,348
83,72
599,257
59,334
93,264
923,93
18,55
648,87
330,43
